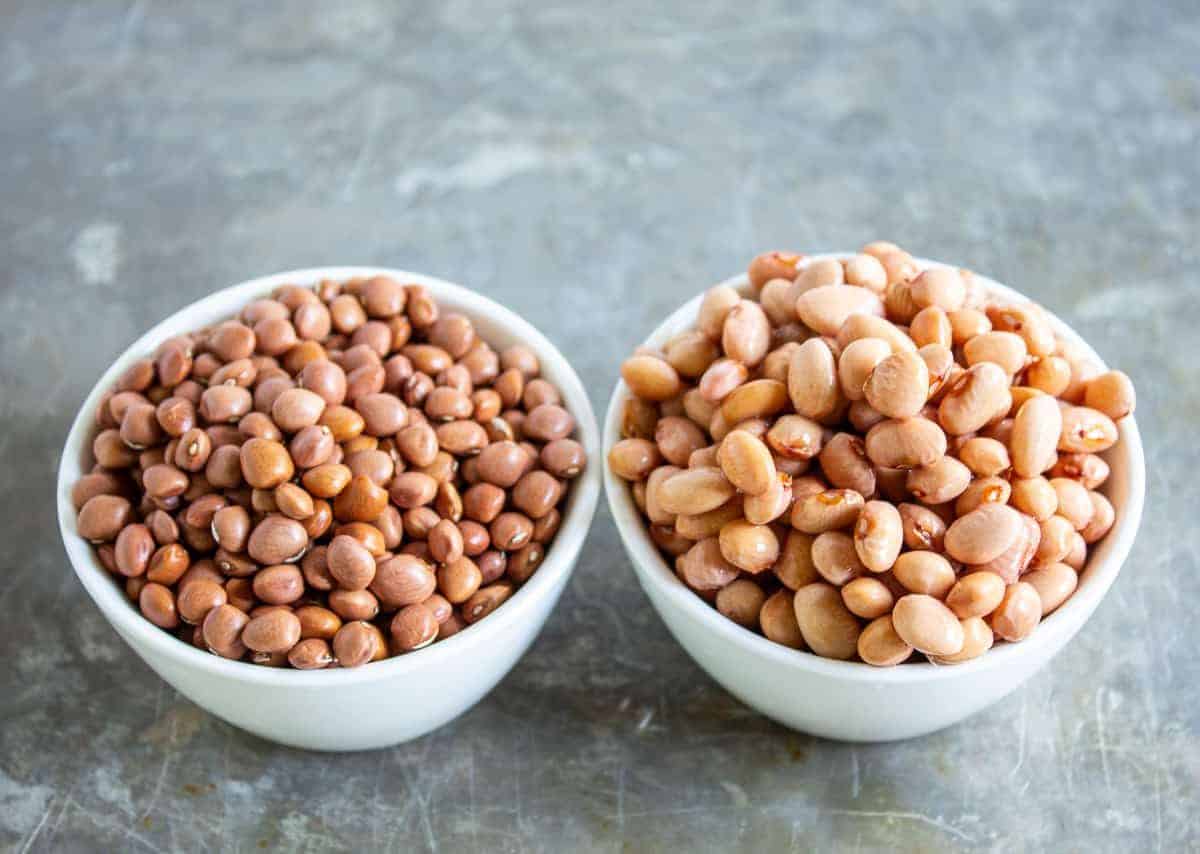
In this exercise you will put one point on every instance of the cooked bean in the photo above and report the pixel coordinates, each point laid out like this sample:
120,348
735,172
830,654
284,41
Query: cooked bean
1086,430
984,457
812,380
868,597
927,625
938,482
751,548
1111,393
881,645
828,510
1018,613
651,378
741,601
878,535
977,639
905,444
983,534
898,385
828,628
836,559
777,619
746,333
1054,583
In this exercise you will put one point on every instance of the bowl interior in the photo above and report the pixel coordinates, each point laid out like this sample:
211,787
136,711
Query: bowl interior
1125,488
497,325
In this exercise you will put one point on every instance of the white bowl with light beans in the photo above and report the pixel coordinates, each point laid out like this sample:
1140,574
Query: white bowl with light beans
851,700
384,702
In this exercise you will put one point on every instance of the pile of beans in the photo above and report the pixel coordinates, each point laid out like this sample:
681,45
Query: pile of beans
339,474
869,460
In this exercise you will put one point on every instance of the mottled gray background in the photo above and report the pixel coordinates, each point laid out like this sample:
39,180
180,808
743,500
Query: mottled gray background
592,165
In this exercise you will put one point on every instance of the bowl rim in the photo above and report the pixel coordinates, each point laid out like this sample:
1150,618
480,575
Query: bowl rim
225,303
653,571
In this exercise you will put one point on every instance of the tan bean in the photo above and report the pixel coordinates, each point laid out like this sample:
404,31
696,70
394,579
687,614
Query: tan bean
977,639
923,528
1103,516
755,399
1054,583
927,625
982,490
867,597
695,491
828,628
1086,430
701,525
845,465
751,548
880,645
1035,497
824,309
812,380
1015,559
1111,393
1018,613
746,463
899,385
858,360
1050,374
984,457
974,398
630,459
705,569
1090,470
1005,349
939,286
690,353
820,272
905,444
714,308
770,505
1074,502
924,572
1057,540
746,333
795,437
777,618
721,378
1035,435
983,534
677,438
741,601
976,594
878,535
931,326
859,326
836,559
1028,321
829,510
943,480
866,271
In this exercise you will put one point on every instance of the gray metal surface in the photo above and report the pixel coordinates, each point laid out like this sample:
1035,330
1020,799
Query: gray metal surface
592,166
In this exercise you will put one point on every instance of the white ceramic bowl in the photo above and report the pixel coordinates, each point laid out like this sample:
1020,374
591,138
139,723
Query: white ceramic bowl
853,701
384,702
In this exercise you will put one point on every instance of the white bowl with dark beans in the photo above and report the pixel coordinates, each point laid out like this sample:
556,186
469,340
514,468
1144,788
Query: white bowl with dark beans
871,494
332,506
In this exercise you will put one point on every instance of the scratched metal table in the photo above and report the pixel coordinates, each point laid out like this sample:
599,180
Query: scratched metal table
593,165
